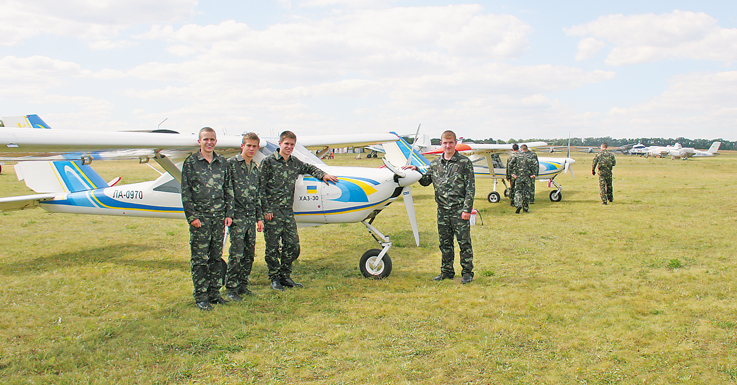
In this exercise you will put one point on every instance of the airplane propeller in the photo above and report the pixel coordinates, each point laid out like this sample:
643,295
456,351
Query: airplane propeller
569,161
406,195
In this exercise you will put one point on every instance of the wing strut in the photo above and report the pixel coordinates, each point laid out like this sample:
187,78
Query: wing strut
168,165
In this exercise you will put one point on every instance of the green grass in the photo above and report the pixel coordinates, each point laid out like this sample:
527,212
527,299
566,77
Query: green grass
639,291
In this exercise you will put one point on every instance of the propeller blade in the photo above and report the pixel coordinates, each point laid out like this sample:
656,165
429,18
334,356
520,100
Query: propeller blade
410,206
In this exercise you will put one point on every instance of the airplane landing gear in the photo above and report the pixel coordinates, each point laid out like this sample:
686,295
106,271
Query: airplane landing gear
555,195
494,197
376,263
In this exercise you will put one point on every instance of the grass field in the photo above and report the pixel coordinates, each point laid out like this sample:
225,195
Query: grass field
639,291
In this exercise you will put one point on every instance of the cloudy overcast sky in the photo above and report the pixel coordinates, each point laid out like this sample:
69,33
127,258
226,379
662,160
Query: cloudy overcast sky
487,69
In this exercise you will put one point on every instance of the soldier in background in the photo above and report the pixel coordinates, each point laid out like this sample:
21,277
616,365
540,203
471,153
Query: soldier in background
455,186
245,210
204,181
604,160
515,153
536,166
523,169
279,173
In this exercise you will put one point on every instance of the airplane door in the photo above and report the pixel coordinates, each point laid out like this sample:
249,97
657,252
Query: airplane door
308,205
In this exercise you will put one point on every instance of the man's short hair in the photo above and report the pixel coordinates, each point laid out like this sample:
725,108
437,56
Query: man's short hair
604,144
287,134
448,134
205,129
251,136
515,147
523,147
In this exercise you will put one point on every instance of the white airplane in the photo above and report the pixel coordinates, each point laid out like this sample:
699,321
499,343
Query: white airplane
72,186
483,155
677,151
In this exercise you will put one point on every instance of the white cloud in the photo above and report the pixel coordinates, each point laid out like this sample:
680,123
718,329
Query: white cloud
88,20
649,37
691,102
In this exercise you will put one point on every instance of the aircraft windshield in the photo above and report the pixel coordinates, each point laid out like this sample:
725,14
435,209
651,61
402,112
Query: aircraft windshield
300,151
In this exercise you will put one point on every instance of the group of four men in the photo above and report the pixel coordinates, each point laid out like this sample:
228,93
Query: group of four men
245,197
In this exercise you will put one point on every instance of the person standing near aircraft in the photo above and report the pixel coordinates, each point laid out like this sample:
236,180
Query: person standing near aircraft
536,167
279,172
204,185
523,169
515,153
244,208
605,161
455,186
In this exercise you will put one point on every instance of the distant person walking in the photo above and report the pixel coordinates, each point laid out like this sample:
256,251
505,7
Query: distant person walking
524,169
514,154
204,185
604,161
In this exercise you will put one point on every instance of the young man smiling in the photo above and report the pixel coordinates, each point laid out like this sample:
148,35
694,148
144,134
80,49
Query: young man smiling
204,176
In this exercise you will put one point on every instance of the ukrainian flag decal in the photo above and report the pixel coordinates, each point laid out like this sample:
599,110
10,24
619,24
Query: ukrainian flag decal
312,189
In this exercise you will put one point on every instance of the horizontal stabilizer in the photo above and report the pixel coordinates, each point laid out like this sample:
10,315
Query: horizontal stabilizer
59,176
23,202
26,121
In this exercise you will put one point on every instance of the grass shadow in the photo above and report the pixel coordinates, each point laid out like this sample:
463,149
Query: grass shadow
111,253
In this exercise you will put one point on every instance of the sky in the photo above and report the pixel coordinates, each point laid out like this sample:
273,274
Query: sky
504,69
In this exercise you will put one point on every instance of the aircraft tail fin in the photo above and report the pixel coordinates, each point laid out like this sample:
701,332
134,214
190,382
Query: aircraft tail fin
25,121
401,153
714,148
59,176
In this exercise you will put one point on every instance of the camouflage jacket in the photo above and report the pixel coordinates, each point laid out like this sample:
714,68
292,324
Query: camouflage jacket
276,183
605,160
509,160
524,166
243,187
203,186
453,180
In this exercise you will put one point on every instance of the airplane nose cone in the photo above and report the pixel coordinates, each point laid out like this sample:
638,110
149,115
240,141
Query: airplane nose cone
411,176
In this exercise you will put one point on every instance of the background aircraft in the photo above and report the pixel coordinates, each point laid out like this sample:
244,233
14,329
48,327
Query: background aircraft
484,155
679,152
72,186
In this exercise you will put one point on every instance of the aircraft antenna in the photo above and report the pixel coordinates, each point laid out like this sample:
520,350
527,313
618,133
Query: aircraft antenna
162,122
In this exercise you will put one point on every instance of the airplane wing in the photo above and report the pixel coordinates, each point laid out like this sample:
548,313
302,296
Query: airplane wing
358,140
474,148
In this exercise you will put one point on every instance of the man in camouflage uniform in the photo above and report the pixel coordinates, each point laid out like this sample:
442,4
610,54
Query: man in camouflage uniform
515,153
204,185
279,173
604,161
536,166
524,169
455,186
245,210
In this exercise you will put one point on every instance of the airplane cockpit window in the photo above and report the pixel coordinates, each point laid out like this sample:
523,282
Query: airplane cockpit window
300,151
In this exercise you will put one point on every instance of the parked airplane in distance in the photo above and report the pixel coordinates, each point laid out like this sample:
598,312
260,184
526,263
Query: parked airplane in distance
677,151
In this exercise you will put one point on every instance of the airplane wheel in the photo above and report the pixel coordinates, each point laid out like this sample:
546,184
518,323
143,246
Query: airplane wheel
507,191
494,197
556,196
366,265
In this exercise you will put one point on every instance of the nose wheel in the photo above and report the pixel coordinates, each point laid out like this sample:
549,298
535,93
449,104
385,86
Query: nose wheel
376,263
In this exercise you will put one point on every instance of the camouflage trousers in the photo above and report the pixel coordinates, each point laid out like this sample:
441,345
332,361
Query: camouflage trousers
242,252
282,245
451,225
522,192
207,264
511,192
605,186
